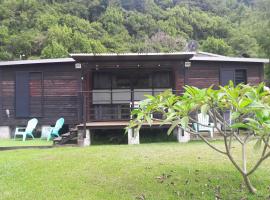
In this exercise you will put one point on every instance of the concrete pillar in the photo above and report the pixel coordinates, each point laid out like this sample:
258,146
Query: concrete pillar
87,139
80,139
84,140
133,136
5,132
181,135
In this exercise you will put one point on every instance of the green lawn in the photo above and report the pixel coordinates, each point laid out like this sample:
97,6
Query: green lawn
17,142
105,172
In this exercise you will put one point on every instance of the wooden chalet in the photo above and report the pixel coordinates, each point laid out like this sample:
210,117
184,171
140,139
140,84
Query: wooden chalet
98,91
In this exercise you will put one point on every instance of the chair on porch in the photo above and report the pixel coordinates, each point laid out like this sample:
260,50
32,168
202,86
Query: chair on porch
55,130
204,120
26,131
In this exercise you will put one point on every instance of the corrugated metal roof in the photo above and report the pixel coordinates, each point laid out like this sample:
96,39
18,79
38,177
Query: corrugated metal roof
202,54
40,61
228,59
131,54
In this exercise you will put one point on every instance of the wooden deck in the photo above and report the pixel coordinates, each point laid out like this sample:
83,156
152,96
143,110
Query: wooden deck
116,124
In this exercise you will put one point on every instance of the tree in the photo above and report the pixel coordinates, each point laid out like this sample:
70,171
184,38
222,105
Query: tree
250,118
54,50
218,46
161,42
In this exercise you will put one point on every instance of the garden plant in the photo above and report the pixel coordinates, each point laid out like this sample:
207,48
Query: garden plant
248,108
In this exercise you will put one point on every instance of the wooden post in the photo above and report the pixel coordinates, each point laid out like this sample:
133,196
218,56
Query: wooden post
84,116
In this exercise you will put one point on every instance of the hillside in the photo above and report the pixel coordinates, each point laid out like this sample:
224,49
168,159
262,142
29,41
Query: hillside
32,29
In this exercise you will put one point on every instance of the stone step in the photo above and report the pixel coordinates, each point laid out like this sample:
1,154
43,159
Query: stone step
66,138
65,135
57,139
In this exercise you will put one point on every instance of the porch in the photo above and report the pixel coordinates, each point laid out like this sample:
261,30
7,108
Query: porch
112,86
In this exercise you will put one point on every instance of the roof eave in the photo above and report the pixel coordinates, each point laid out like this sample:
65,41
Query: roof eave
230,59
40,61
130,56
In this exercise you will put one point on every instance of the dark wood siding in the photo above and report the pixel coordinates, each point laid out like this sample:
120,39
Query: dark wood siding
204,74
53,88
22,94
179,77
36,94
53,93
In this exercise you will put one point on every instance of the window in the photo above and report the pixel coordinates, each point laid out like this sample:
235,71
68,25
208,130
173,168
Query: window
235,75
240,76
142,81
121,81
102,81
161,80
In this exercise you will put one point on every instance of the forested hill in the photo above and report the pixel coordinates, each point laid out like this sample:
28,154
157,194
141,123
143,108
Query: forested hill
32,29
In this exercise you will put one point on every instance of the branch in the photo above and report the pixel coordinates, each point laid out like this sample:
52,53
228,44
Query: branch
193,120
230,143
224,121
237,137
258,163
214,118
206,141
231,158
266,142
246,138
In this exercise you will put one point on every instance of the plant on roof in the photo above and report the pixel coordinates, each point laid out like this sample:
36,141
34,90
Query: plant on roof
249,108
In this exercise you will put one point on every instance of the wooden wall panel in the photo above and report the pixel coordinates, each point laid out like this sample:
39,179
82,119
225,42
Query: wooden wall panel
203,74
179,79
61,86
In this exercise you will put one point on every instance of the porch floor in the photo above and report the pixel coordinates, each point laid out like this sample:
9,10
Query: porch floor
115,124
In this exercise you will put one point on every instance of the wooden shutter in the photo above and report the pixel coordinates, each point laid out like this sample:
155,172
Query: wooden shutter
226,75
36,94
22,94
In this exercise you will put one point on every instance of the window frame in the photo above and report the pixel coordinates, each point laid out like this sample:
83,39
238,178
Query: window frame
234,71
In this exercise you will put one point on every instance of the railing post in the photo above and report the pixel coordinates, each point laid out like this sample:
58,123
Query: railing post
84,115
132,99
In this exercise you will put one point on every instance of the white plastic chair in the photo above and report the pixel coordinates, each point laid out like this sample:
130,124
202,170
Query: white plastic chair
204,120
28,130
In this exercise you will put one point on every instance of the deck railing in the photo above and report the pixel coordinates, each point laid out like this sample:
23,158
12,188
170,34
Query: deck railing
115,104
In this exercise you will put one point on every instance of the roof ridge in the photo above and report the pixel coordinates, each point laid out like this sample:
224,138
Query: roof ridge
211,54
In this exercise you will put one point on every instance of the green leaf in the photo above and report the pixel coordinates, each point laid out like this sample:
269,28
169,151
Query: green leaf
172,127
235,115
149,120
184,122
244,102
239,125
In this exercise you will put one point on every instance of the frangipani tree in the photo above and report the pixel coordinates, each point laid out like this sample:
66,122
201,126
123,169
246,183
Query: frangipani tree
249,108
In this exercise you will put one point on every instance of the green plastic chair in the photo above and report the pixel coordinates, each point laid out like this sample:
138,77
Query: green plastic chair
26,131
55,131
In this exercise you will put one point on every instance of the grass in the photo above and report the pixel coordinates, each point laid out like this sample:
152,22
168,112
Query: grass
114,172
36,142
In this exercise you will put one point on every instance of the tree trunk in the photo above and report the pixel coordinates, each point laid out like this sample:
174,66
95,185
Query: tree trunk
250,187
